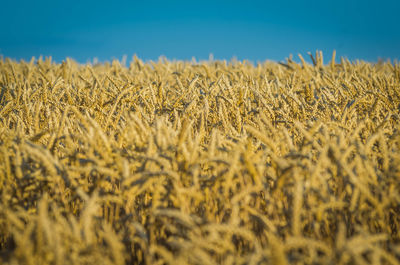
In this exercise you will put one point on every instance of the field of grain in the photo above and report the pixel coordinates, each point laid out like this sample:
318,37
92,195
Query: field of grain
213,162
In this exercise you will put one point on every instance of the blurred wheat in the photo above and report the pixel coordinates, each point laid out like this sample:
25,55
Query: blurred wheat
199,163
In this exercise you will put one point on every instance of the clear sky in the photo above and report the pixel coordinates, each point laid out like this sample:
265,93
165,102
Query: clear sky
253,30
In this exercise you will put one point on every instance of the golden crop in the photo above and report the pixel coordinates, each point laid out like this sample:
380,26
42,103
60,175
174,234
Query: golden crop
199,163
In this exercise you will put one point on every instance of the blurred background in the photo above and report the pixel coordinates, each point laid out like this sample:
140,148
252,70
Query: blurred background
252,30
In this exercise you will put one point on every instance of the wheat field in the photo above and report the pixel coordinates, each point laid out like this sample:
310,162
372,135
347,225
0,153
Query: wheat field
212,162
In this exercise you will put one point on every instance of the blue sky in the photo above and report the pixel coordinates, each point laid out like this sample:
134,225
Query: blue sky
253,30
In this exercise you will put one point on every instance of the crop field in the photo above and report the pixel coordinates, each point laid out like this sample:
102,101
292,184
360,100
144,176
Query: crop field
214,162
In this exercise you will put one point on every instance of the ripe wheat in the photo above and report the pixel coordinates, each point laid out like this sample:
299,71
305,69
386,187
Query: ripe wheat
199,163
